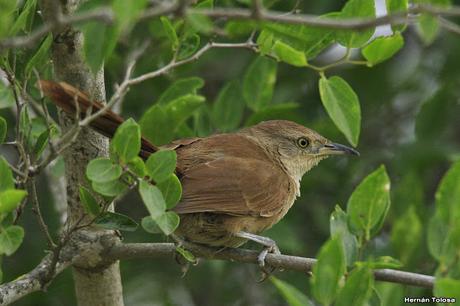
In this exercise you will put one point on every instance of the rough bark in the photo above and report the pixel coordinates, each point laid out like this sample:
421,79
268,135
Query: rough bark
96,281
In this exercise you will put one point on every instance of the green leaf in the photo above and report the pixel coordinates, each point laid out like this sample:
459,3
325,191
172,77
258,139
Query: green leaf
443,232
153,199
10,199
227,111
183,108
126,12
103,170
382,48
427,28
357,289
89,202
289,55
6,95
258,83
382,262
10,239
170,32
137,166
171,189
181,88
328,271
186,254
369,203
150,226
356,9
406,235
339,226
448,288
6,175
7,15
188,46
448,194
168,222
115,221
3,129
23,21
438,230
127,140
161,165
99,42
109,188
200,23
40,56
292,295
41,143
394,6
308,40
157,126
342,105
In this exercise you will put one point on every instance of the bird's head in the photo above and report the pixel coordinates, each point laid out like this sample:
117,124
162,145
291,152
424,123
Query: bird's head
297,147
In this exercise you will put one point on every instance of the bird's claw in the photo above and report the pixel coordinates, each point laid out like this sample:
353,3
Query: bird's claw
267,270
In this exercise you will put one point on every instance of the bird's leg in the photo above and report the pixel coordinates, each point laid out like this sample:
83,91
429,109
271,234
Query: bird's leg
269,247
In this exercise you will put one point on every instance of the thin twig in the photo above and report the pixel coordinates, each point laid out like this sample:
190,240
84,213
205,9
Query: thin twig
37,211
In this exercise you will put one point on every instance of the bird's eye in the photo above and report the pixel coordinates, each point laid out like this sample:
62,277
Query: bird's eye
303,142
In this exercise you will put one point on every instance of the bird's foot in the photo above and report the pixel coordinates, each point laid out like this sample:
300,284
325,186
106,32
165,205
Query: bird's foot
269,247
267,269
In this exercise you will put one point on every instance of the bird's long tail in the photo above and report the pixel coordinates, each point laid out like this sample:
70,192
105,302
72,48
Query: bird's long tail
71,100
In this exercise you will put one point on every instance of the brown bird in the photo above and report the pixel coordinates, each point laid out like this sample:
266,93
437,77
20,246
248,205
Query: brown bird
235,185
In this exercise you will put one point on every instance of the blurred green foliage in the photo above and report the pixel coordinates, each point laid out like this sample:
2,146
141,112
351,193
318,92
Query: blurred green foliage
405,113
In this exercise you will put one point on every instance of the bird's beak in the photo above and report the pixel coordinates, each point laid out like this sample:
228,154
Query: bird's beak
336,149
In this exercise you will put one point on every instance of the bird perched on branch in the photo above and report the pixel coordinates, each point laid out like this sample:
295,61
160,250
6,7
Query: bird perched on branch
235,185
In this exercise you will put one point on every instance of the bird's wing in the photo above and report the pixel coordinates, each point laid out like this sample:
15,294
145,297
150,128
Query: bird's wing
236,183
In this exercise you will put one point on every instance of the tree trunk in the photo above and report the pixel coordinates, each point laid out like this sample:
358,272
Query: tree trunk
96,282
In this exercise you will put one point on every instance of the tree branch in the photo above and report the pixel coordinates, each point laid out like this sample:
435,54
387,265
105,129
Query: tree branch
105,14
30,282
331,23
287,262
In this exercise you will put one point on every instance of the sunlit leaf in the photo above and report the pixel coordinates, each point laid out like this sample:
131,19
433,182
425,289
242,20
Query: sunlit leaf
10,239
171,189
342,105
152,198
157,126
109,188
289,55
382,48
103,170
161,165
339,226
6,175
10,199
369,203
127,141
170,32
168,222
356,9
